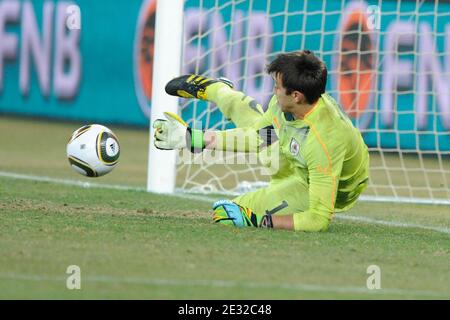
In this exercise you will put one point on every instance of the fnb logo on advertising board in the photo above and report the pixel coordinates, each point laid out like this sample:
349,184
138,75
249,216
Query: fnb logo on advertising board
355,64
143,55
250,33
394,74
51,48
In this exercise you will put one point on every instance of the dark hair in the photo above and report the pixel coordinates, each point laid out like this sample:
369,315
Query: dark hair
301,71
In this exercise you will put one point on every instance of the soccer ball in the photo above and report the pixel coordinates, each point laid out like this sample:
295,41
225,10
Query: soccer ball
93,150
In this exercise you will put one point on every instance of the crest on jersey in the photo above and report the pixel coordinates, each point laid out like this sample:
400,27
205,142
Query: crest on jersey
294,147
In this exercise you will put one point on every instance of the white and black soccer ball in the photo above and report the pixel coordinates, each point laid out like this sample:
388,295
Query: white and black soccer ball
93,150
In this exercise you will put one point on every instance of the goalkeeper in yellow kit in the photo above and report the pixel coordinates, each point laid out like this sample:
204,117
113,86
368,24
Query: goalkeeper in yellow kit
324,162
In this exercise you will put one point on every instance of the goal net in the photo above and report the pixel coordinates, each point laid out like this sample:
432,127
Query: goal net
388,65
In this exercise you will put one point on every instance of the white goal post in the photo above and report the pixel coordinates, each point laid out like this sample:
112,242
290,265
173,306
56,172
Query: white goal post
167,65
388,65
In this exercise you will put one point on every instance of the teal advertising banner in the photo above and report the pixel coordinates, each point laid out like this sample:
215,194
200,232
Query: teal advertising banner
388,62
98,68
83,73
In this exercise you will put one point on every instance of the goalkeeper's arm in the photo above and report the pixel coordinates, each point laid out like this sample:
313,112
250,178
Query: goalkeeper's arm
239,139
174,133
229,213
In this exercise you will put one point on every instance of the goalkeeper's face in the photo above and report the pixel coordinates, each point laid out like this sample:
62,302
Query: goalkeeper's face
286,102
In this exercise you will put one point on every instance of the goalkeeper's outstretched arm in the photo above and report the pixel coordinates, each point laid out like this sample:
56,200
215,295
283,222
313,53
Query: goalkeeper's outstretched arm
248,139
244,112
173,133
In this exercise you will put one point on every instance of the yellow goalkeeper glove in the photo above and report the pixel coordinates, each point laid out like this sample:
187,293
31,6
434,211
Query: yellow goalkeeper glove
230,213
174,133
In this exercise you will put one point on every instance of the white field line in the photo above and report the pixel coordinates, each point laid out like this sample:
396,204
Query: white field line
202,198
341,216
86,184
404,200
227,284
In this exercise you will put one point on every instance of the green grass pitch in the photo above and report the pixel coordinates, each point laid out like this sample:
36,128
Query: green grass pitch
131,244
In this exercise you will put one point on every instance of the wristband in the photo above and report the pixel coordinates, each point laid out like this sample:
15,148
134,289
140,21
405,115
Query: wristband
195,140
266,221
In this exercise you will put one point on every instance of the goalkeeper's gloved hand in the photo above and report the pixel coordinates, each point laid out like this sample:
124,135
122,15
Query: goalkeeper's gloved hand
174,133
229,213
